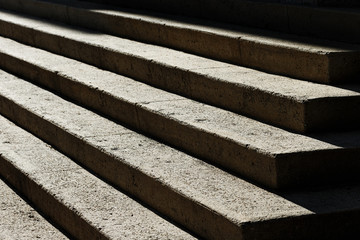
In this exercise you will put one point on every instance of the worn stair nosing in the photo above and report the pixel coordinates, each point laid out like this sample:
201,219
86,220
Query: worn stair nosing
45,177
271,54
323,22
19,220
281,160
206,200
218,87
196,195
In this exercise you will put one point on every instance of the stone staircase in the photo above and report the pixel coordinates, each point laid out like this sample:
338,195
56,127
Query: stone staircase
127,123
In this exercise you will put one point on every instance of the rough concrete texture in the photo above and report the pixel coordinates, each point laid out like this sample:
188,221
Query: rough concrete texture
293,56
207,200
270,155
18,220
314,62
334,23
297,105
81,203
267,154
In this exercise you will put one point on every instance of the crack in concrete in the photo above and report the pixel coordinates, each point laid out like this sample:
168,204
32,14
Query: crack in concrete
160,101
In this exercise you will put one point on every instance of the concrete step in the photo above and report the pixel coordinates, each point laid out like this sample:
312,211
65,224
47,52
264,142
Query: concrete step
289,55
79,202
292,104
268,155
201,197
323,22
18,220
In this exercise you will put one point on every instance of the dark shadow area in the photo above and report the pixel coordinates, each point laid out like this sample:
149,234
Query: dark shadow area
54,22
326,199
202,22
345,139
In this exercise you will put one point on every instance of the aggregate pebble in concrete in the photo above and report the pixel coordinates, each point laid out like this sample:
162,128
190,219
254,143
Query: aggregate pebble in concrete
298,105
18,220
103,208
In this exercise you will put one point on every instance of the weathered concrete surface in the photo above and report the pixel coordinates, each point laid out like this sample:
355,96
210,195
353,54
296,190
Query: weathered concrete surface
18,220
296,105
211,202
333,23
318,63
269,155
288,55
81,203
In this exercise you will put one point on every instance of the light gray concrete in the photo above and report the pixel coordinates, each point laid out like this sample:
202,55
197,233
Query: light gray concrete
211,202
312,61
297,105
18,220
78,201
205,131
269,155
293,56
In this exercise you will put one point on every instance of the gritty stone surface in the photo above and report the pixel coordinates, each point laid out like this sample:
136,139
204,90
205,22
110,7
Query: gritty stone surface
238,143
201,116
315,61
279,100
18,220
273,99
212,189
207,200
103,207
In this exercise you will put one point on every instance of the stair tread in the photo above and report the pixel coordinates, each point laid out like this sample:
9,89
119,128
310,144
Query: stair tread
228,30
228,124
104,208
202,168
325,22
217,191
283,86
296,56
18,220
221,84
131,102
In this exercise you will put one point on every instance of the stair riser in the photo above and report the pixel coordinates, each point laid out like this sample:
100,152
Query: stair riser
186,212
272,58
80,202
295,227
19,219
47,203
265,106
319,22
214,148
335,227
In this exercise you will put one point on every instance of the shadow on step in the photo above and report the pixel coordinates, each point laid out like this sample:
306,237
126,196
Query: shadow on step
344,139
230,28
326,199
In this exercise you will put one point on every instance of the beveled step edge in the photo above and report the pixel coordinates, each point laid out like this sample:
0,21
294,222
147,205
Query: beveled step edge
230,46
44,176
19,220
251,228
328,23
230,96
